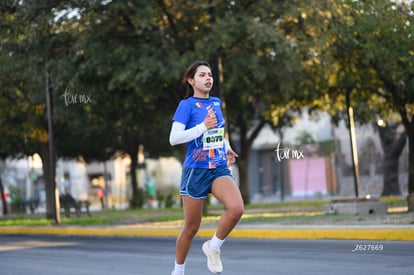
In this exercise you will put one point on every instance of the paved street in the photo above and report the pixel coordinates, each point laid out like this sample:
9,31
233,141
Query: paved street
77,255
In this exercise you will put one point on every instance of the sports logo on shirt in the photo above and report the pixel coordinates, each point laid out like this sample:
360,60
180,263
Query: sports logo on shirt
198,104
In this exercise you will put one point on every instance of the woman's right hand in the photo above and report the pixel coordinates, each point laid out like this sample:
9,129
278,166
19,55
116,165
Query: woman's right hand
211,120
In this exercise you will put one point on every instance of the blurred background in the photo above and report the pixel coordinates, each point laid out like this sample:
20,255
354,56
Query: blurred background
318,98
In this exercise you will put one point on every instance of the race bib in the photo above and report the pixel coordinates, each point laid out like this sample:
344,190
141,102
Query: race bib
213,139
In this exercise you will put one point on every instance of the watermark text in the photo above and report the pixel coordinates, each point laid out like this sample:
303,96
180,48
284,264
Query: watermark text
367,247
286,153
74,98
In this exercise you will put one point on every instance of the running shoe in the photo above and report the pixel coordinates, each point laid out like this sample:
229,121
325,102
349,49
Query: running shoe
213,259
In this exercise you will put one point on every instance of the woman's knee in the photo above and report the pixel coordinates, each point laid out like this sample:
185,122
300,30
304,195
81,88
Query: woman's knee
190,230
236,211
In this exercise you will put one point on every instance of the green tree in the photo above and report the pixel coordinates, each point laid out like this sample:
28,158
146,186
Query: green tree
120,61
268,52
30,47
373,48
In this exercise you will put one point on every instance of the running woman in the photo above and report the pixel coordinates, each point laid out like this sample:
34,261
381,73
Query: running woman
199,122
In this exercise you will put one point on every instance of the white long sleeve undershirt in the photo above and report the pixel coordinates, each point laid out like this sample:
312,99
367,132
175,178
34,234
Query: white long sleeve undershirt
179,135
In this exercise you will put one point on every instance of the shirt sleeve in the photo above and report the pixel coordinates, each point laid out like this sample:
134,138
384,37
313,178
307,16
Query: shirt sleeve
179,135
227,146
183,112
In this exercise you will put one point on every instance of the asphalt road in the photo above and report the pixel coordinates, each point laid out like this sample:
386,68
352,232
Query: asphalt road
77,255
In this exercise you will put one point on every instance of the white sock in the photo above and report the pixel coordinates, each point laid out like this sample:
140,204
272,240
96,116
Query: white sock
215,243
179,269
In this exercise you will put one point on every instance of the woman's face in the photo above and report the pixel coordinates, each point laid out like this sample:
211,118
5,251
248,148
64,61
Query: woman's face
202,81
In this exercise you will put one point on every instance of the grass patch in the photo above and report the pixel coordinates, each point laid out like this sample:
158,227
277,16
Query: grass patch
168,218
393,201
21,221
289,204
290,218
100,220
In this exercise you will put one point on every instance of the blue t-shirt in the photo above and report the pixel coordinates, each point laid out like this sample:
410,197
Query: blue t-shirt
208,150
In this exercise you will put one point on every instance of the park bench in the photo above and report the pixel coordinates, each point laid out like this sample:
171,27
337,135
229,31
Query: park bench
67,202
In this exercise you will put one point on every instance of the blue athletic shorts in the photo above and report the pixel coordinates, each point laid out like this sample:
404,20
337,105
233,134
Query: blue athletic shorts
196,182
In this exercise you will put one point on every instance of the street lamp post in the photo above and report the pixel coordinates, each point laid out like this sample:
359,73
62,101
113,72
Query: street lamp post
354,150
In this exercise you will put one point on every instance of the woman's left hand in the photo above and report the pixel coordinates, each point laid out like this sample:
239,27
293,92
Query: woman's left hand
231,157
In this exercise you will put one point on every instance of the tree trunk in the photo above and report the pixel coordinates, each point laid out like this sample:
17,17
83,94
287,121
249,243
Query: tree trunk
410,133
391,185
3,199
242,164
49,186
246,142
392,146
410,199
408,121
134,181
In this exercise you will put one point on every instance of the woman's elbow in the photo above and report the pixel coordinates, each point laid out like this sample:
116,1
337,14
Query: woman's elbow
174,140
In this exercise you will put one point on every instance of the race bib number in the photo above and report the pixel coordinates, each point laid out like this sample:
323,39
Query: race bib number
213,138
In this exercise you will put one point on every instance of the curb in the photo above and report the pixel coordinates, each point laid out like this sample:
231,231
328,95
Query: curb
344,233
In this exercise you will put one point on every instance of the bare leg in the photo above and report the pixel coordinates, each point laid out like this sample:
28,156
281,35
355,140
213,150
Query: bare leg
228,193
193,212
